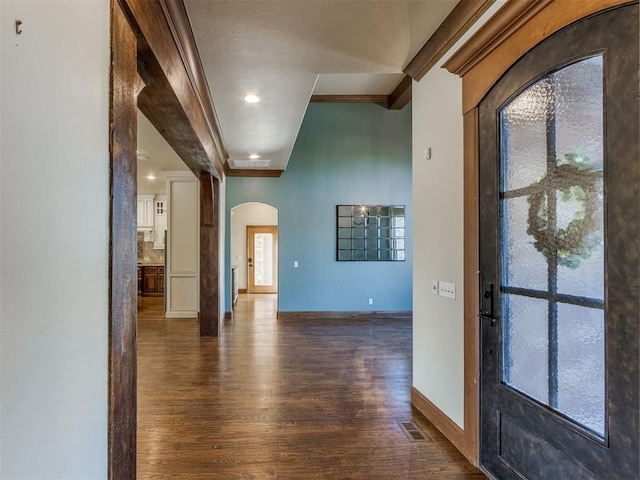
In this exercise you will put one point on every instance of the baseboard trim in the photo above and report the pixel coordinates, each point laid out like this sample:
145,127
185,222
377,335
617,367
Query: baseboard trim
350,315
242,290
228,316
182,314
442,422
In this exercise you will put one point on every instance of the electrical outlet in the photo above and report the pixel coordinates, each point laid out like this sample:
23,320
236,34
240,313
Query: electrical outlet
295,264
371,301
447,289
434,289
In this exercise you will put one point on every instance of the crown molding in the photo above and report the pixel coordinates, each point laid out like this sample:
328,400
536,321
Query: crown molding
491,35
349,99
250,172
461,18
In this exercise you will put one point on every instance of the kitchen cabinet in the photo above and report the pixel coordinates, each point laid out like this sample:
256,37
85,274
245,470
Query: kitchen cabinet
145,212
152,280
160,221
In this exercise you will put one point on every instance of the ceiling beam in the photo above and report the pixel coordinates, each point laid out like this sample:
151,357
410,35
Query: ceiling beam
461,18
177,100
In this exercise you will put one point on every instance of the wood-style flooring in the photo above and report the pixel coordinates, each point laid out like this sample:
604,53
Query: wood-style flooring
273,399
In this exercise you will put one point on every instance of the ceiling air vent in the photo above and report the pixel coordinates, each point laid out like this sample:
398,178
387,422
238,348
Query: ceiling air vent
247,163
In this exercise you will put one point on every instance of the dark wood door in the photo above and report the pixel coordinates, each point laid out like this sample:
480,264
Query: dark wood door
559,255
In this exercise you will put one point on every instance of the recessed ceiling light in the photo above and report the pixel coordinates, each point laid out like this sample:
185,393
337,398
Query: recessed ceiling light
252,99
253,156
151,177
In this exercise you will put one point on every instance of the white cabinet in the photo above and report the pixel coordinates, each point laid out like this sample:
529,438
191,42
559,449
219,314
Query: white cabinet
160,221
145,212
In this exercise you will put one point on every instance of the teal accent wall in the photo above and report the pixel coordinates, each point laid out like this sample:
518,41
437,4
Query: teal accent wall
344,154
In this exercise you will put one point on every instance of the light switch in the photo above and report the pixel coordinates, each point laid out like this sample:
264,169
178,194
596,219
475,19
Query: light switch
447,289
295,264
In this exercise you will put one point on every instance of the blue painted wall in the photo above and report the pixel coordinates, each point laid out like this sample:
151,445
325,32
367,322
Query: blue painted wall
344,154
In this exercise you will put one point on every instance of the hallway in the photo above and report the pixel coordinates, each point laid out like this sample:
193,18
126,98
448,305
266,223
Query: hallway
276,399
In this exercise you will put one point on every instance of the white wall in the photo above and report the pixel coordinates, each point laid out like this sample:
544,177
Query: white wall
182,271
438,335
438,229
54,211
241,216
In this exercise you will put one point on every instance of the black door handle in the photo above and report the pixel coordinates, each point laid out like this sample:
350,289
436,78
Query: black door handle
484,316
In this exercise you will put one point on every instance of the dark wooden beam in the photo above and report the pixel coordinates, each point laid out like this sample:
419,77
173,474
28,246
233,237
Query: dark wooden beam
350,99
209,315
401,95
177,101
461,18
123,291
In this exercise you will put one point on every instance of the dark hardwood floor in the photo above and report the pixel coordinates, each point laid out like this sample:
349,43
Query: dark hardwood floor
273,399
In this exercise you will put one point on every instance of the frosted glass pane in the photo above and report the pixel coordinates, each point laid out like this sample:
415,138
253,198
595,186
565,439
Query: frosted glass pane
581,391
524,127
582,274
579,139
263,261
579,112
525,346
523,265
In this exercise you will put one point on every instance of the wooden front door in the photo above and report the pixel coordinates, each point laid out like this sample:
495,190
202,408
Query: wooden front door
262,259
559,257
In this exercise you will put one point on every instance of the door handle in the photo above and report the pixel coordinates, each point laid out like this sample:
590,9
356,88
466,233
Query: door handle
484,316
486,305
250,262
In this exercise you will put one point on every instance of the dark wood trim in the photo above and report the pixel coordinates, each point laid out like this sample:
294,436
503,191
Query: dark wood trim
335,315
461,18
471,291
506,21
185,40
514,30
439,419
242,290
209,314
384,99
250,172
123,301
401,95
177,101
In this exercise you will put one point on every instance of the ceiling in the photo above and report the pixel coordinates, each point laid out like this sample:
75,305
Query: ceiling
286,50
155,157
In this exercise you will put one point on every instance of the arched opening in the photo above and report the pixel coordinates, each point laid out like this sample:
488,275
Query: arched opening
254,249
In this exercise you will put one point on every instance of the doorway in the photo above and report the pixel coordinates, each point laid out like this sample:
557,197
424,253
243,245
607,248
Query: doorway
559,257
262,259
262,219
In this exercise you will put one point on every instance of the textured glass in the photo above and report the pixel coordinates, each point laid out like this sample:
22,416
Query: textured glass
525,345
581,392
523,265
263,261
580,139
579,113
587,278
552,241
524,137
